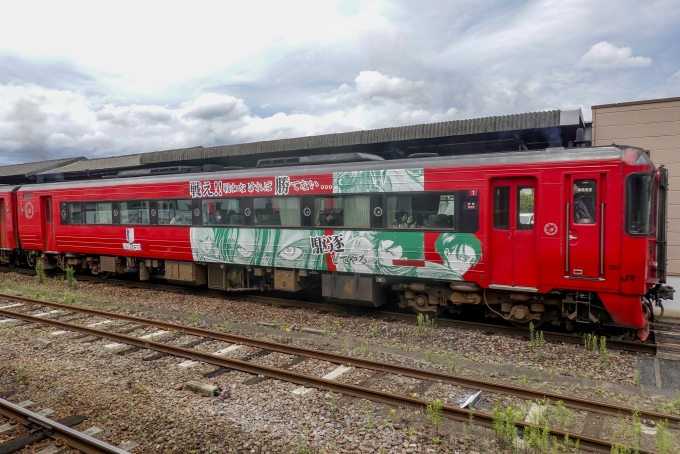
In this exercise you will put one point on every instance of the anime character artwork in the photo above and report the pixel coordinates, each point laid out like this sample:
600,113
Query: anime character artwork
388,180
259,247
396,253
391,253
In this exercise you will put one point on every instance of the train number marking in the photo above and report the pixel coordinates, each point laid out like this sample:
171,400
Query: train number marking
550,229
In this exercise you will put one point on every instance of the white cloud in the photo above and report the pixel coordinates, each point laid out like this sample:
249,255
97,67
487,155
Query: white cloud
372,83
676,76
605,55
40,122
149,45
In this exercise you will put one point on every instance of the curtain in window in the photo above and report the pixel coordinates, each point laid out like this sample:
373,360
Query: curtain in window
356,211
289,208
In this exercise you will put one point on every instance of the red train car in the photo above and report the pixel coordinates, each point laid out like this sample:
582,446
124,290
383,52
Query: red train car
559,235
9,235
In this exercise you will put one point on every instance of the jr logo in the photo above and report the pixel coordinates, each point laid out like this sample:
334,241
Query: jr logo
628,277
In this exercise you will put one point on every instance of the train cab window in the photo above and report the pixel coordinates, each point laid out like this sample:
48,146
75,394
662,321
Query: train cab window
501,208
277,211
98,213
134,212
177,210
639,204
343,211
525,213
421,211
585,201
74,213
222,211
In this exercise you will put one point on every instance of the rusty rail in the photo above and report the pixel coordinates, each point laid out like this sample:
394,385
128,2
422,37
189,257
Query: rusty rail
420,374
458,414
42,427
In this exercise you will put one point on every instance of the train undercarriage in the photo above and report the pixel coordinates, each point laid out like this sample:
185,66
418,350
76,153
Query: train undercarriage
558,308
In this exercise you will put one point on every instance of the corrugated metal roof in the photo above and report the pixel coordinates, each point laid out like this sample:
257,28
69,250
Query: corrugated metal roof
504,158
32,168
113,162
423,131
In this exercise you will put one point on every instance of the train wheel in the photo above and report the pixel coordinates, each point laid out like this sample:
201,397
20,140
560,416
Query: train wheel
30,260
525,325
12,262
104,274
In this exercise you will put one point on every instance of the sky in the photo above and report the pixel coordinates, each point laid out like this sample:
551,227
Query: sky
96,79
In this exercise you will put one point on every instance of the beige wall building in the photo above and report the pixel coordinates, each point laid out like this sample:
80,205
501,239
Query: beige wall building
655,126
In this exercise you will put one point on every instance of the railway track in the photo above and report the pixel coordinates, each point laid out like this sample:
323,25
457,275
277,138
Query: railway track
637,347
40,427
451,412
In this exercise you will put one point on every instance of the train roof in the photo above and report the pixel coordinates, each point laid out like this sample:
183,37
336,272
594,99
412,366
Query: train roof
506,133
549,155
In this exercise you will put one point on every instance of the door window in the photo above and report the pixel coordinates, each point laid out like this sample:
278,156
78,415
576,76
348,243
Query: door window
48,212
585,197
639,204
501,208
525,208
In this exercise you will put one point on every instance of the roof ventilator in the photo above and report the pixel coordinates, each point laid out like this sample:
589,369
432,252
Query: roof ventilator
423,155
334,158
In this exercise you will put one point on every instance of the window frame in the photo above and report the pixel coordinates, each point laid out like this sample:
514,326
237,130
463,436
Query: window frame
508,215
627,202
240,212
315,213
457,210
253,216
155,218
464,222
120,217
518,224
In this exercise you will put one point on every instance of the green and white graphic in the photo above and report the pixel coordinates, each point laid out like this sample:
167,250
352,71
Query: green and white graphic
391,253
397,253
260,247
390,180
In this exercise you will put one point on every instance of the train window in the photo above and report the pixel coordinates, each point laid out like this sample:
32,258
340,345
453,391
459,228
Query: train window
343,211
98,213
421,211
48,211
74,213
222,211
501,208
639,204
277,211
134,212
585,201
525,211
177,210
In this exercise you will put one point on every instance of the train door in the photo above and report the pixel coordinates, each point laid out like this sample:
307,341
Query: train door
47,224
513,234
3,230
584,210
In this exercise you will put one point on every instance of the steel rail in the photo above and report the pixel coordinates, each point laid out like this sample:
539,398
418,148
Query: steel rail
458,414
56,431
383,315
420,374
